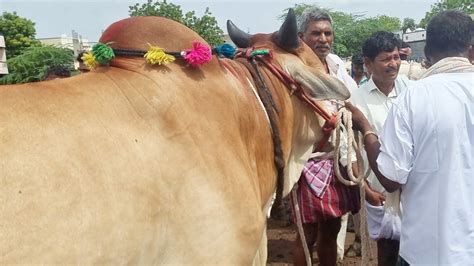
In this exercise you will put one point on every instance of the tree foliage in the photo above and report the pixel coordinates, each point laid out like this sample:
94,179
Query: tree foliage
351,30
206,26
462,5
19,33
34,62
408,23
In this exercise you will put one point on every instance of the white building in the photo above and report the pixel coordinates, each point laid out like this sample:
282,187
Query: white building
416,39
414,36
75,43
3,56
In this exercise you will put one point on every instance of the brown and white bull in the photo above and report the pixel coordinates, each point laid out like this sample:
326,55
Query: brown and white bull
139,164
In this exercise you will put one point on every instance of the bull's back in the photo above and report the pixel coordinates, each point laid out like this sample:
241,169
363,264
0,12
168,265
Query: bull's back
115,166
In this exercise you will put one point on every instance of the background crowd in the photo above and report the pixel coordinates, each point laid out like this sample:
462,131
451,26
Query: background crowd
418,199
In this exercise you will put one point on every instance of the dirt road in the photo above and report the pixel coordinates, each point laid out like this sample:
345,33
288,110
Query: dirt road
280,241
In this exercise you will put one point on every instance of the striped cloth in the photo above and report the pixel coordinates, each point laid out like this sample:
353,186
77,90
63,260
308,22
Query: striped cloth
332,201
318,175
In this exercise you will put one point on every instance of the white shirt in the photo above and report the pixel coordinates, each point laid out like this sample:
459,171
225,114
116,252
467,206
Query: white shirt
427,145
375,105
384,222
337,69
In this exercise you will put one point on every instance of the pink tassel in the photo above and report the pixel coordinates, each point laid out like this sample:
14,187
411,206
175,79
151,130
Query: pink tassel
198,55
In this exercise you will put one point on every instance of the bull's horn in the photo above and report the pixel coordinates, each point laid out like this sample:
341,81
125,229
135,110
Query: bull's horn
240,38
287,36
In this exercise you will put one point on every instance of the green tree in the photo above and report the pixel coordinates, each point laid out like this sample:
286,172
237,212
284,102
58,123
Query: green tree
206,26
343,26
462,5
408,23
363,28
34,62
19,33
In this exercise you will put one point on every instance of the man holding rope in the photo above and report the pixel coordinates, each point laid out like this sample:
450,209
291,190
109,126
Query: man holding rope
322,199
426,149
374,98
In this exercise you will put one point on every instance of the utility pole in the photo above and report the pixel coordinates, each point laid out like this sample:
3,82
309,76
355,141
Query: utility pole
3,56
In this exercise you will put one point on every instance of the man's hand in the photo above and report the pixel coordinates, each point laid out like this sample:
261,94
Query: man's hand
359,122
372,147
373,197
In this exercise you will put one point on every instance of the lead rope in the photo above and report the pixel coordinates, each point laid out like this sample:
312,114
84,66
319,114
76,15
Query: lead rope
299,224
342,116
346,117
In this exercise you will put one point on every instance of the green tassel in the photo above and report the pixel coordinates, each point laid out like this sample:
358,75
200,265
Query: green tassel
261,52
103,53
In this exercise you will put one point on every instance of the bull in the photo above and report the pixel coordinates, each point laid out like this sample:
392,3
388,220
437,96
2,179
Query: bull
140,164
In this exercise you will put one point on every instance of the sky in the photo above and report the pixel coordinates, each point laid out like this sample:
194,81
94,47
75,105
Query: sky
89,18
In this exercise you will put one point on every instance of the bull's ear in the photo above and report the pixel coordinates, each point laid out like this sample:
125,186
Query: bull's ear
239,37
287,36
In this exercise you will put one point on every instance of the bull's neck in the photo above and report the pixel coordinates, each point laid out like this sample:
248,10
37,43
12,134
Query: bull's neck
272,92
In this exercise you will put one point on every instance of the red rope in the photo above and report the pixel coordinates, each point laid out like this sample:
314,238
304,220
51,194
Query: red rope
295,88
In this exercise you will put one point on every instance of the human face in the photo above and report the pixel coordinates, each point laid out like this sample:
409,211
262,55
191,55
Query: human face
385,66
358,70
319,37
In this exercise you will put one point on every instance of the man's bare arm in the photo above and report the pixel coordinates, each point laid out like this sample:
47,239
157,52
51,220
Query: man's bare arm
372,147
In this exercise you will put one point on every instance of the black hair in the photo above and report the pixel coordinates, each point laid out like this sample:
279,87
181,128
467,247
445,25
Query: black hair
357,60
448,34
380,41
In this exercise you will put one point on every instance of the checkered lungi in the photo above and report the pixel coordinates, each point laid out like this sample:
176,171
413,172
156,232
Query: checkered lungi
328,198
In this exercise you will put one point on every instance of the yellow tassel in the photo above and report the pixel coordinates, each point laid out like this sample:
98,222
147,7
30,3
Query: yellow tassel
156,55
89,60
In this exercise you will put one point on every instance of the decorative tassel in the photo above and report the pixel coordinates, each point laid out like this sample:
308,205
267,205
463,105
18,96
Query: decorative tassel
225,50
89,59
262,52
103,53
156,55
198,55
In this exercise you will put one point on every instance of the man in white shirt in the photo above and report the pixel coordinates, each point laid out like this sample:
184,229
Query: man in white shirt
323,203
426,148
374,99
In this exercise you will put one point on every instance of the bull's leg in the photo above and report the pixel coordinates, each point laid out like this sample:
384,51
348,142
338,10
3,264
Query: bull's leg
262,252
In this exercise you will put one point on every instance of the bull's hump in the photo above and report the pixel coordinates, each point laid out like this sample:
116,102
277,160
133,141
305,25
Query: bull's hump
138,32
